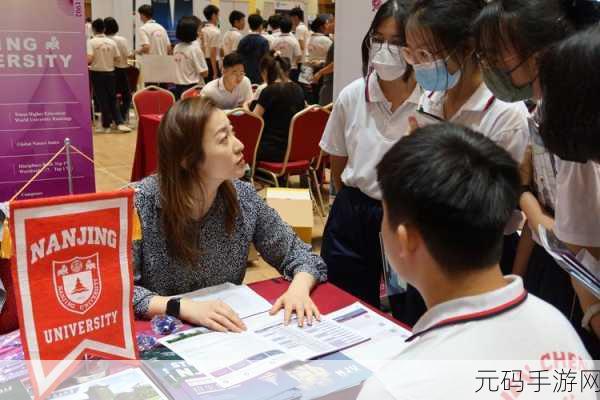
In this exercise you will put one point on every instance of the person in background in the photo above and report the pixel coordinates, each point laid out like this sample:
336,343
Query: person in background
153,37
191,68
121,67
448,193
266,34
287,46
275,24
324,76
299,28
198,221
369,116
89,32
562,196
253,47
234,88
277,104
318,47
211,38
232,38
102,55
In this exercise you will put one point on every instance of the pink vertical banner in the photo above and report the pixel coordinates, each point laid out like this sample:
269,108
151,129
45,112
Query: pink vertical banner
45,96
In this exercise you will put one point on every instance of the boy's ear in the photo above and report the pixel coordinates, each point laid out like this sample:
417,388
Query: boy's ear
408,238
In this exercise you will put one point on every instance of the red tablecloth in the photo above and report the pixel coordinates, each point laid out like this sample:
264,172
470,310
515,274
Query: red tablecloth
144,162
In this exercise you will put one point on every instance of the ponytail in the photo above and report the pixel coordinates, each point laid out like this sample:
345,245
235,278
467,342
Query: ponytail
275,66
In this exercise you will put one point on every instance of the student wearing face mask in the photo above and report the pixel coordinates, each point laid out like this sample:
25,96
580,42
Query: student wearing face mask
369,116
512,36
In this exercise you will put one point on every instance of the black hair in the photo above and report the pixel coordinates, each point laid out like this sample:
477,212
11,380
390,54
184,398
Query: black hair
255,21
98,25
297,12
232,59
569,80
449,21
146,10
397,9
111,27
319,22
235,16
457,188
276,67
187,29
209,11
88,20
529,26
265,24
285,24
274,21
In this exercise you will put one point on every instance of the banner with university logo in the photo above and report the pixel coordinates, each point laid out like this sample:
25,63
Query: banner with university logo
73,281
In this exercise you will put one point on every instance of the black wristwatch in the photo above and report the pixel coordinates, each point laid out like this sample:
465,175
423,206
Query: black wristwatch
173,307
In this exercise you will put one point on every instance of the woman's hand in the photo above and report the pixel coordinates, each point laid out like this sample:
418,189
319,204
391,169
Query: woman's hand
297,299
215,315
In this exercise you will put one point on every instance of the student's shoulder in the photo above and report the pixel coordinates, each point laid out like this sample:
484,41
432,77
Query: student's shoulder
246,193
146,191
353,91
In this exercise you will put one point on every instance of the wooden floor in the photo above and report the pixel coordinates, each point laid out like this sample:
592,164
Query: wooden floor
113,153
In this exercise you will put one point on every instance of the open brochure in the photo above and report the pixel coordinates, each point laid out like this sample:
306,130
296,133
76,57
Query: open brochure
583,266
233,358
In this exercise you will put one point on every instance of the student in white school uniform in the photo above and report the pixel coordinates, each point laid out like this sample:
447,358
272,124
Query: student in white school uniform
121,67
287,45
265,33
563,194
316,55
102,55
448,193
237,19
370,115
153,37
234,88
191,68
299,28
212,40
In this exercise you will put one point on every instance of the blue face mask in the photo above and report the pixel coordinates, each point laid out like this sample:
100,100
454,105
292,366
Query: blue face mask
434,76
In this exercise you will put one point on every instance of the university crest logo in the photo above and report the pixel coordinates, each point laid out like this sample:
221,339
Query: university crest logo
77,283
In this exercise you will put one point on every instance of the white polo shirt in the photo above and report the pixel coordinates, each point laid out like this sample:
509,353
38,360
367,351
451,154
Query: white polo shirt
105,53
289,47
225,99
318,46
362,128
190,63
269,38
123,47
211,38
302,33
154,34
504,123
505,324
231,40
577,214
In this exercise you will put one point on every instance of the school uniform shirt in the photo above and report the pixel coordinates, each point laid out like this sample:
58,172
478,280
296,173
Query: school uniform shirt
225,99
211,38
190,63
363,128
577,219
504,324
303,34
504,123
105,53
289,47
270,38
318,46
121,43
231,40
155,35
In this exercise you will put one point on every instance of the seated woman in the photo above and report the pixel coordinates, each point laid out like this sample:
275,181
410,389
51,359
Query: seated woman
198,222
278,102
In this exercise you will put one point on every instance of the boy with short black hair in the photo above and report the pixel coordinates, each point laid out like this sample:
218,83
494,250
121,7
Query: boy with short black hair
237,19
152,36
211,40
234,88
448,193
253,48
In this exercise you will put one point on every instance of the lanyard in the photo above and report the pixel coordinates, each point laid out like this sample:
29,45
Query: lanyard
477,316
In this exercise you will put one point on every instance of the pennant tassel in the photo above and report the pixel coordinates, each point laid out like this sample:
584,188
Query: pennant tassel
6,245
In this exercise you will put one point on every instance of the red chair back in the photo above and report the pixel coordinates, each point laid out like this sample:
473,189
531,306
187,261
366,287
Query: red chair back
152,100
192,92
306,131
248,128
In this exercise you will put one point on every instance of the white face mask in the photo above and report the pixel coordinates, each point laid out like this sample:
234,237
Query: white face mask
388,62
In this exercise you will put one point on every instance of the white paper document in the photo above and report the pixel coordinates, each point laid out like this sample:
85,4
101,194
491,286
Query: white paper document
243,300
384,334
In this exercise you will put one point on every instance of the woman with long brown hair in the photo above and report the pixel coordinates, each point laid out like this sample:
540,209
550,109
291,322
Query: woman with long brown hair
198,222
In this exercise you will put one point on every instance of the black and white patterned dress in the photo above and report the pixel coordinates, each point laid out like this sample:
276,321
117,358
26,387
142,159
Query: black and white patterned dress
224,256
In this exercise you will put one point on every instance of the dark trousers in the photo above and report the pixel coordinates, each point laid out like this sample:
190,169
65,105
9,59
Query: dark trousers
210,70
352,252
124,91
104,84
179,89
